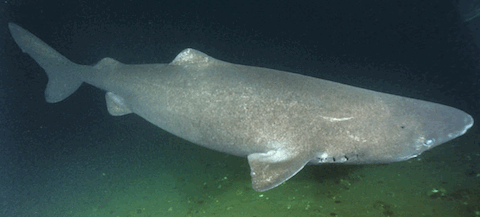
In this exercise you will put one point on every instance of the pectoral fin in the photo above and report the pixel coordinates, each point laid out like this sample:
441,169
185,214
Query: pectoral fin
271,169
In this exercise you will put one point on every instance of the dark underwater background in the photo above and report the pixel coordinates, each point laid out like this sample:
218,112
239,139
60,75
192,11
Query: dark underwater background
73,159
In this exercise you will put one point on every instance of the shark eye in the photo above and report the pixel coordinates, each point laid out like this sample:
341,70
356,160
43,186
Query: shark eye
429,142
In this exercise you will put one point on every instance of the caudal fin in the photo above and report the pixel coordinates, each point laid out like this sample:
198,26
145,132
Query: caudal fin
63,75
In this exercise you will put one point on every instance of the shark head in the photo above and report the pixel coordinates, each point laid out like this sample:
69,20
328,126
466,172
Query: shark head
405,128
429,125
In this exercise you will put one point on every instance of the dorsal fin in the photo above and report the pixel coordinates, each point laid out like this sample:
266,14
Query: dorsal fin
106,62
191,56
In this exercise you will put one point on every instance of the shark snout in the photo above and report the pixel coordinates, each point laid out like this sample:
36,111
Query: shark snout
439,124
467,124
447,123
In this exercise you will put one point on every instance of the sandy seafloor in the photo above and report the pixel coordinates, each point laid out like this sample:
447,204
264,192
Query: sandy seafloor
163,175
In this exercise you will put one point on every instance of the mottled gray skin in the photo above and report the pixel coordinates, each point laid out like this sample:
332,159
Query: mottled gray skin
279,120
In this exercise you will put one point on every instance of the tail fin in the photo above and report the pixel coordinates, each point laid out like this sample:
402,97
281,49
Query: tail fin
63,75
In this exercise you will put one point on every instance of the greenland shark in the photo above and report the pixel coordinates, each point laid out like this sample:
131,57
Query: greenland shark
280,121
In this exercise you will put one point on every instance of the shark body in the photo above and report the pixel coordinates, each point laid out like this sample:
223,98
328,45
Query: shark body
280,121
